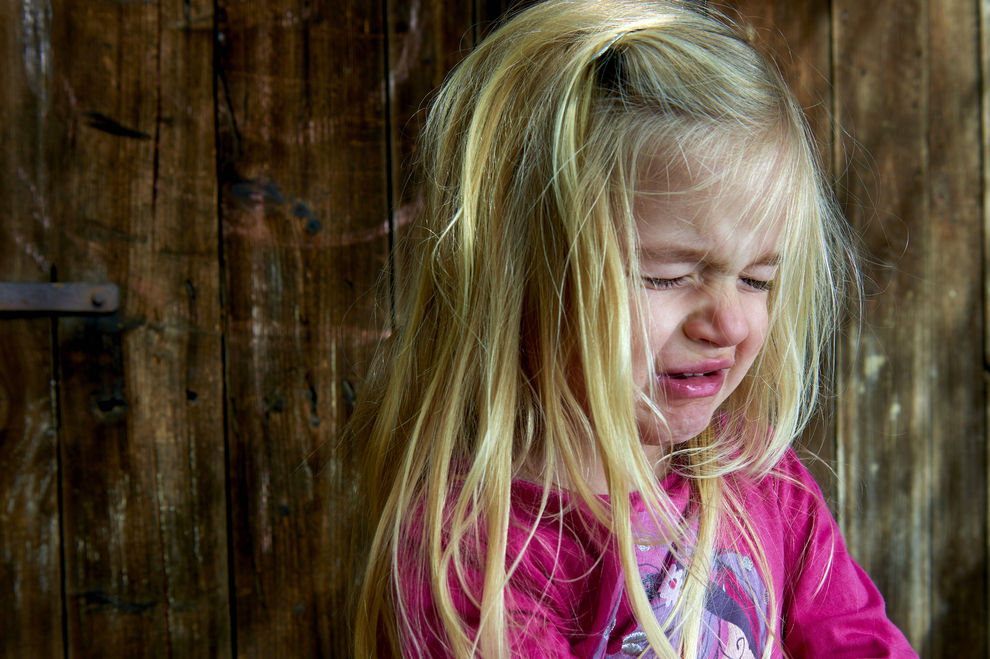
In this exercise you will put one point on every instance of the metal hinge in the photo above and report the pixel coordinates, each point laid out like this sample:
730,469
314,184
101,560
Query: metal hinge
58,298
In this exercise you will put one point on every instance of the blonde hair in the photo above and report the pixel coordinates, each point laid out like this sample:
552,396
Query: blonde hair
512,353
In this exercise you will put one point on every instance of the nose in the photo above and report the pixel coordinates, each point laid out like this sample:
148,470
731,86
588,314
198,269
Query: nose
720,319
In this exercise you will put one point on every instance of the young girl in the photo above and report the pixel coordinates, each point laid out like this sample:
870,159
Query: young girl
619,291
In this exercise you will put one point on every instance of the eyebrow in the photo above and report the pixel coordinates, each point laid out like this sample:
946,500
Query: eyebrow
678,254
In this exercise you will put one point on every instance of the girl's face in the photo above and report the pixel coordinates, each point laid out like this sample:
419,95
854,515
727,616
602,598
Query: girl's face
706,279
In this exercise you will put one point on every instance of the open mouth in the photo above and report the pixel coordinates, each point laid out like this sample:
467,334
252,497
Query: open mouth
694,384
699,374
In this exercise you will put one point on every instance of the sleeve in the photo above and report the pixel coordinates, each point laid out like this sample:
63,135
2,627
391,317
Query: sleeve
831,607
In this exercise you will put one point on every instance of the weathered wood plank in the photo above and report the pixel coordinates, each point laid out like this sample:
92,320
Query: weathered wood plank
425,41
305,233
798,38
984,57
142,440
176,363
885,418
101,131
959,491
30,569
30,572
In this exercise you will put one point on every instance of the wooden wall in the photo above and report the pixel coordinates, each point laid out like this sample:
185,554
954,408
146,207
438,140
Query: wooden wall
169,483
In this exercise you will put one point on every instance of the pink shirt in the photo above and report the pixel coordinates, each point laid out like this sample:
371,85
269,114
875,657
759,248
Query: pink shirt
567,598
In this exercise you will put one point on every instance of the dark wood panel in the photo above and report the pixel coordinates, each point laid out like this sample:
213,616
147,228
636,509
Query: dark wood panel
303,166
101,135
134,193
425,41
885,420
30,567
30,570
983,16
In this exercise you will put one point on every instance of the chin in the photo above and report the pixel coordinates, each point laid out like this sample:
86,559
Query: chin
653,433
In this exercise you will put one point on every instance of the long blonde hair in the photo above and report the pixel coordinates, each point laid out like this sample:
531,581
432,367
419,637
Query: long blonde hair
512,353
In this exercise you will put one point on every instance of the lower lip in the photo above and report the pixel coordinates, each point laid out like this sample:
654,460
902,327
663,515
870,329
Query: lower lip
696,386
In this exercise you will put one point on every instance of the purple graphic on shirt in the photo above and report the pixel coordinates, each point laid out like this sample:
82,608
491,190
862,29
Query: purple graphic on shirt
734,621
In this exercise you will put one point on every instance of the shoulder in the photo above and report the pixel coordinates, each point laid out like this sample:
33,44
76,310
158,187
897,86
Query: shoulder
798,495
831,606
791,521
785,503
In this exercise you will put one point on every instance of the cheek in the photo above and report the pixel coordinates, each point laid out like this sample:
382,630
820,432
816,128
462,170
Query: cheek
651,337
640,353
643,338
759,325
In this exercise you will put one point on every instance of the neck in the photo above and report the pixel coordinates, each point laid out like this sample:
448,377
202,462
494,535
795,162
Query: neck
594,470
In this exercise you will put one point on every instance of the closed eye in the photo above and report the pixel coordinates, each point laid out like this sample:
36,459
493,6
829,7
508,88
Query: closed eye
659,283
757,284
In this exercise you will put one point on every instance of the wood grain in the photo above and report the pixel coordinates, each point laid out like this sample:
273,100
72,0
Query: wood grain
303,170
984,58
142,441
30,566
885,413
425,41
958,450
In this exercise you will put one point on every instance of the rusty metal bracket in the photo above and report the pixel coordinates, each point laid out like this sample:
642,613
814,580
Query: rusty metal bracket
58,298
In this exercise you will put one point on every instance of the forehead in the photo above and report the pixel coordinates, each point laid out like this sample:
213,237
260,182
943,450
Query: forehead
731,214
